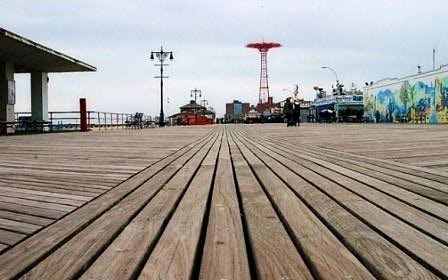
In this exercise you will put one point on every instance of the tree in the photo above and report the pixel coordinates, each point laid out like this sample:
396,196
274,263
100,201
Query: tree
404,95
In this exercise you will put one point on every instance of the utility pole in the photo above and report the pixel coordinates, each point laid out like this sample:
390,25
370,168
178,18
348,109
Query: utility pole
161,55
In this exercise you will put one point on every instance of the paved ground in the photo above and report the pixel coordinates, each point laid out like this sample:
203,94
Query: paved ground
234,202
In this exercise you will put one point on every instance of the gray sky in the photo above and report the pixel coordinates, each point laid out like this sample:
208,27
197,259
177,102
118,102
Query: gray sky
362,40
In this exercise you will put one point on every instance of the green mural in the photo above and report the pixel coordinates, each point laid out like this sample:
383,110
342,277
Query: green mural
422,100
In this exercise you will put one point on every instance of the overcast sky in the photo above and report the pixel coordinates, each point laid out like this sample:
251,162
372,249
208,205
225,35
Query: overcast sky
362,40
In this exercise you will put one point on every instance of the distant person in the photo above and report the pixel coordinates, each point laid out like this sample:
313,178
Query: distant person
296,114
377,116
288,110
296,107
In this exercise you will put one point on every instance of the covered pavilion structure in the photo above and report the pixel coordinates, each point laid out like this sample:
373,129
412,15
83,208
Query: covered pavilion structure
21,55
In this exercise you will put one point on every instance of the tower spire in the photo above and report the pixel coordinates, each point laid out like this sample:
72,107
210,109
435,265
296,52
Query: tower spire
263,47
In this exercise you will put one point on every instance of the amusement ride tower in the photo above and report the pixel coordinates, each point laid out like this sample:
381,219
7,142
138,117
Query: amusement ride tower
264,47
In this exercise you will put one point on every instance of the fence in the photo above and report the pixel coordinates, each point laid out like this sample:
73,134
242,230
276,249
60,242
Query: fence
70,120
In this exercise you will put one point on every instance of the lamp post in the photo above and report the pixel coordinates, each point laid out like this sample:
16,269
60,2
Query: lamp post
204,102
334,72
294,92
338,89
161,56
195,92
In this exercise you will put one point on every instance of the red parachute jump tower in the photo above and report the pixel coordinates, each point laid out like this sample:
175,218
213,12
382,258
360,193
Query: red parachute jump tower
264,99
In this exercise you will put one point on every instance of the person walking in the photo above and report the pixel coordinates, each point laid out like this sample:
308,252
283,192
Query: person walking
288,110
296,104
296,113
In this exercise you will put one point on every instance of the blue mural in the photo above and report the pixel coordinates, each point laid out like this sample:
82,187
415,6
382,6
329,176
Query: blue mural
421,101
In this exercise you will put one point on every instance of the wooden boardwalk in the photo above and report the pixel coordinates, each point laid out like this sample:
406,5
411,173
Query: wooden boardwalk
229,202
44,177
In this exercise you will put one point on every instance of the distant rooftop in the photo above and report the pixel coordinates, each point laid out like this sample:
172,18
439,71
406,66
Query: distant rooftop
29,56
192,105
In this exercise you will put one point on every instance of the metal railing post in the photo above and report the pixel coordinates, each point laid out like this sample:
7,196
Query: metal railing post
51,121
99,121
88,119
105,121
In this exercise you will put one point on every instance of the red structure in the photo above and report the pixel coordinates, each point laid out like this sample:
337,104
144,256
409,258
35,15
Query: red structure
264,47
83,114
193,114
197,120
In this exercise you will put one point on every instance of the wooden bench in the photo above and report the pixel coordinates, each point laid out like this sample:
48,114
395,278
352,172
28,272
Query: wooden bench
4,125
29,125
135,121
25,125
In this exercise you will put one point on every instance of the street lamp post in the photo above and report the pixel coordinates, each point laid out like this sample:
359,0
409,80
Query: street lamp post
294,92
338,88
161,56
334,72
204,102
196,92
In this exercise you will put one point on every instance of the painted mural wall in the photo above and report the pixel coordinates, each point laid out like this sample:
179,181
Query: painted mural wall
421,98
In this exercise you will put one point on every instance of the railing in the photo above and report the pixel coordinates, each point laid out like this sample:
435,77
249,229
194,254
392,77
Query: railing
70,120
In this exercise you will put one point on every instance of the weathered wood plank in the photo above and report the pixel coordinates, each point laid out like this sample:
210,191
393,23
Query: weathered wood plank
19,227
10,238
174,255
435,190
415,170
274,253
71,258
325,199
51,189
34,220
129,249
423,221
46,199
413,240
361,180
58,169
31,210
224,255
38,246
3,247
40,194
37,204
328,257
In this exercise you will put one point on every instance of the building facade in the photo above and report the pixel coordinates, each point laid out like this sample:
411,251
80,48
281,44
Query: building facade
419,98
236,111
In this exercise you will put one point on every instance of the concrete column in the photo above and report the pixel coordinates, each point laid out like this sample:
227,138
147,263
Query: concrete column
7,94
39,96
